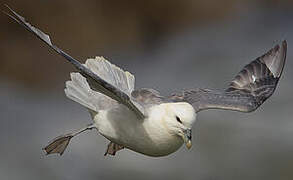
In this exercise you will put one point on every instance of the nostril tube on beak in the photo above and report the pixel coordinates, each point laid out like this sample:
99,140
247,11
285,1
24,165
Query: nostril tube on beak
187,138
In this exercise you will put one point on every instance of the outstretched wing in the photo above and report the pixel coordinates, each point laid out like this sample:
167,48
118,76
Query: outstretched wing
95,82
254,84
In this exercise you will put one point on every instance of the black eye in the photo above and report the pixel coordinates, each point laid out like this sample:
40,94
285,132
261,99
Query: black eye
178,119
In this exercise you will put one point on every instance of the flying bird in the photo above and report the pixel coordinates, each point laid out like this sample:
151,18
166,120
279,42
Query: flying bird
143,120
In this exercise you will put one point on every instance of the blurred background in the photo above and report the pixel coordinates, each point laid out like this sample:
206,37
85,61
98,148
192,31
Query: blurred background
169,46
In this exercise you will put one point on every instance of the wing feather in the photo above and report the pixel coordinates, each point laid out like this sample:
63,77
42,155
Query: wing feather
95,81
251,87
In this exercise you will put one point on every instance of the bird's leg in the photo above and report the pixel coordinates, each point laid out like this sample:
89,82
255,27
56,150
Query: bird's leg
113,148
59,144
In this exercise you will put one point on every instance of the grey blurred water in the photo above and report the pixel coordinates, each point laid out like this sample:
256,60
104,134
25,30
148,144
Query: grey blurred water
227,145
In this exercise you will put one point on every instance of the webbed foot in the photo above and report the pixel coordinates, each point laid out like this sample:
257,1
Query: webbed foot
60,143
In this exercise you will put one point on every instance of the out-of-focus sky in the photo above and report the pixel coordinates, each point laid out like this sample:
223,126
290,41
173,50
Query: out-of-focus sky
168,46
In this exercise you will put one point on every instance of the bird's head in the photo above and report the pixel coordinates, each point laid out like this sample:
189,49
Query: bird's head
178,119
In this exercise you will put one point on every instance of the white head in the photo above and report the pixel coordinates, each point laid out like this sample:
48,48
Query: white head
178,119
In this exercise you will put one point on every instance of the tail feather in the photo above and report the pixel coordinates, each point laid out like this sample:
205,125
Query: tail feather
112,74
78,89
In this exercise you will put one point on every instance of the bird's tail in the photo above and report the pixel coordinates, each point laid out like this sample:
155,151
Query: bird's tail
78,89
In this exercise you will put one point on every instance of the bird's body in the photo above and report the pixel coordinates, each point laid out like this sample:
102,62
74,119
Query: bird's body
149,136
141,119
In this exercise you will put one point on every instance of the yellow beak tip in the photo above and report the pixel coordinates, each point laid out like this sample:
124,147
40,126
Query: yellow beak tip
188,144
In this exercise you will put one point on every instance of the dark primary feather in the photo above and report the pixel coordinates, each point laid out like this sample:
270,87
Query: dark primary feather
95,82
255,83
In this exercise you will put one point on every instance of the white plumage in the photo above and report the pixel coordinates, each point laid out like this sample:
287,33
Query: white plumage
79,90
152,136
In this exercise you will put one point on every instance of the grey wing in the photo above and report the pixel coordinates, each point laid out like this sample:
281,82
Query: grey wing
95,82
148,97
254,84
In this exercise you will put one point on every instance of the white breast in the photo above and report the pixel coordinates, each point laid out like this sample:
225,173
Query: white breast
149,136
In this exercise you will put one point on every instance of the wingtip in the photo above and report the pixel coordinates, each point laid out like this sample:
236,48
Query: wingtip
284,55
275,58
9,8
284,43
284,47
12,14
6,5
6,12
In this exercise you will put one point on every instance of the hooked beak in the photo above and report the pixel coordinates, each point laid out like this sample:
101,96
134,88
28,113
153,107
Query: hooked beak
187,138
